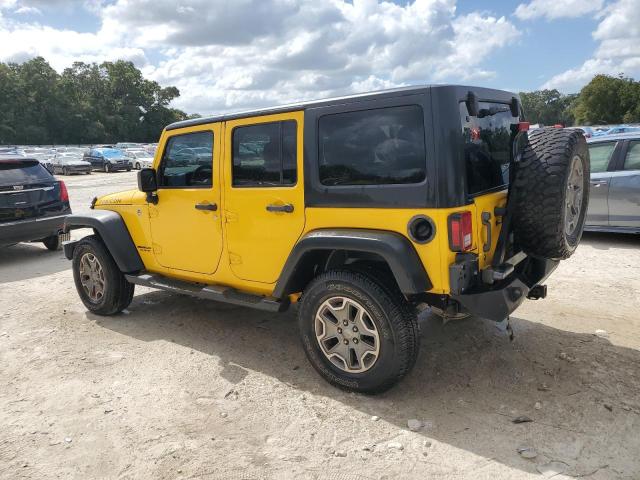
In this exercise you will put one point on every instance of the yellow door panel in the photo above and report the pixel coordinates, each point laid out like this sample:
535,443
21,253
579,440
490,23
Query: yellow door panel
186,225
264,216
488,224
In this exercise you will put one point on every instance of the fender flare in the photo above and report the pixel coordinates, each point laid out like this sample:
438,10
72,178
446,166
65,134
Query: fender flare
395,249
113,231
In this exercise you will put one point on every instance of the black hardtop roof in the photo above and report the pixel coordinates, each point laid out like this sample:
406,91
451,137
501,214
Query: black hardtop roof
483,93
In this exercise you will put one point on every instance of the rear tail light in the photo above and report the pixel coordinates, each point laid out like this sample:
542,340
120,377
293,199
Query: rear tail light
524,126
460,232
64,194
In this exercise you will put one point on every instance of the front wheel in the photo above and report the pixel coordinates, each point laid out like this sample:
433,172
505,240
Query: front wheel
53,243
359,333
138,166
107,168
101,285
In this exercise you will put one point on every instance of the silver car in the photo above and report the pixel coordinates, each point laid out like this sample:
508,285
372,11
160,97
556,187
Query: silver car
614,200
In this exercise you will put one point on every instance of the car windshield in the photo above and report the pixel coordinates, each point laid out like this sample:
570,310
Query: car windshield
22,172
111,153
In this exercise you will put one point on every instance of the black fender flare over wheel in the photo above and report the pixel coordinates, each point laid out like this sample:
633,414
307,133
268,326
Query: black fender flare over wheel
357,331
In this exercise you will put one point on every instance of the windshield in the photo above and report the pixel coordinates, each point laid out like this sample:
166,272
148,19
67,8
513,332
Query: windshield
112,153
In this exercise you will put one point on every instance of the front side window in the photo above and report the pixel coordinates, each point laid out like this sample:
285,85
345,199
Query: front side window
372,147
600,154
265,155
187,161
632,162
487,146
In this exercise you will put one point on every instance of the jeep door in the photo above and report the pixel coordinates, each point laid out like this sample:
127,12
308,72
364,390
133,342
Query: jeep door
185,223
601,155
264,193
624,189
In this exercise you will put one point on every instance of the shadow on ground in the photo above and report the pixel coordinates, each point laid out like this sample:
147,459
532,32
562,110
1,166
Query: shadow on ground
25,261
605,241
469,383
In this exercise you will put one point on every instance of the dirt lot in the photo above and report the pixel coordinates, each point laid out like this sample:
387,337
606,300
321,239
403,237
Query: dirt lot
181,388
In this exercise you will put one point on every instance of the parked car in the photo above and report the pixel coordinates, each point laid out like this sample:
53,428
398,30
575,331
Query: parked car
614,205
617,130
351,224
33,204
588,132
140,158
127,145
67,163
108,159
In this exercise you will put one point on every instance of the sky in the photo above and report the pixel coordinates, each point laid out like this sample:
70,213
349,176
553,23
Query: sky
229,55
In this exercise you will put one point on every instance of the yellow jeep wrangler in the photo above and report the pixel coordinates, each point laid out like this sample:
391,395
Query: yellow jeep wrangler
360,210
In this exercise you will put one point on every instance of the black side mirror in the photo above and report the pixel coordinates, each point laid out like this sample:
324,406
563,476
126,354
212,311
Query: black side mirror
514,106
147,181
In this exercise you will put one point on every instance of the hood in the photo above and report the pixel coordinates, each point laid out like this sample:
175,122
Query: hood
119,198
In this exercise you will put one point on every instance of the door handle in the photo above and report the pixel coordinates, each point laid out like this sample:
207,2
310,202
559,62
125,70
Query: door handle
212,207
286,208
486,221
598,184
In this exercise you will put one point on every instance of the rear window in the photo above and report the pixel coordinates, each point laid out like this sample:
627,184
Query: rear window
487,146
373,147
599,155
23,173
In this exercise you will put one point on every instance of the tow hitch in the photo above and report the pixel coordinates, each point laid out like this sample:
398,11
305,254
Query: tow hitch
537,292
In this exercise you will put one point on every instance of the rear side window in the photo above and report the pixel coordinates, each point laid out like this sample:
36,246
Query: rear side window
632,162
487,146
264,155
188,161
22,173
373,147
600,154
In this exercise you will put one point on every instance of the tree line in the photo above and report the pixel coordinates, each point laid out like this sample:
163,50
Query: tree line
604,100
87,103
112,101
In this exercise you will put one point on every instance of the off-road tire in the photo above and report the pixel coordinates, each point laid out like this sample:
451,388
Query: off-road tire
392,315
118,292
540,192
53,243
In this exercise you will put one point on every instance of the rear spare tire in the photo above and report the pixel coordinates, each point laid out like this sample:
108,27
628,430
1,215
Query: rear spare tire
551,193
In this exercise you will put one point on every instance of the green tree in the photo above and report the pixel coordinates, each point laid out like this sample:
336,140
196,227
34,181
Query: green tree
87,103
607,99
548,107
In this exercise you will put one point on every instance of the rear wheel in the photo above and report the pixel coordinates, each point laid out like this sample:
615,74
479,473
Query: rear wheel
551,193
359,333
101,285
107,168
137,165
54,242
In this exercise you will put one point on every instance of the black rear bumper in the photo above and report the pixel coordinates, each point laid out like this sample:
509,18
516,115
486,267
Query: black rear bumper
498,300
31,229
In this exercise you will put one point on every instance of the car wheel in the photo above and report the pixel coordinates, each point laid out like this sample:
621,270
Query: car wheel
65,171
54,242
101,285
137,165
128,169
357,331
107,168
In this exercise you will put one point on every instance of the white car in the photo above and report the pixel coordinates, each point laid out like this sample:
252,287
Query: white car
140,158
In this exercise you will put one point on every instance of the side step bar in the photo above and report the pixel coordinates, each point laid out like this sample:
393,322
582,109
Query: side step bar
209,292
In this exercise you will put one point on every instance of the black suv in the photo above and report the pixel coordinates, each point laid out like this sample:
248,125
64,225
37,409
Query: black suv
33,204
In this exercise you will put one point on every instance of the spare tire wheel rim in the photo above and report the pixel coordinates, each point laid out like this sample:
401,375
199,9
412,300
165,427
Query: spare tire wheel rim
92,277
347,335
573,198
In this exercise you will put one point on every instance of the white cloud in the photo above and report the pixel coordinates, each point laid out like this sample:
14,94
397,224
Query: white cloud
231,55
618,52
554,9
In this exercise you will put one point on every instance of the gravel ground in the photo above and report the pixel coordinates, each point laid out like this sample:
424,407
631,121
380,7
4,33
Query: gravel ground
182,388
